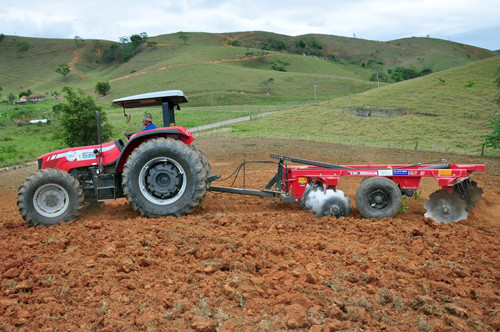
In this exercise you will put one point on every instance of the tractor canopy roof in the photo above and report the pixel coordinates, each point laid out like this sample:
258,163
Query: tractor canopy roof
173,97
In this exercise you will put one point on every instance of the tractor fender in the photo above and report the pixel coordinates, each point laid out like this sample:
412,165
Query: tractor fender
176,133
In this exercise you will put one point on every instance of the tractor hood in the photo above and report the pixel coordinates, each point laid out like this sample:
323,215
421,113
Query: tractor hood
173,97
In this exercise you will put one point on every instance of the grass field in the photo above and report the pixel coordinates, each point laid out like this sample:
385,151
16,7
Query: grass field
223,82
462,100
25,142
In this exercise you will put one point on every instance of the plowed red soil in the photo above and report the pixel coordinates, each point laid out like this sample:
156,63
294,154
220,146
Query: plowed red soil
242,263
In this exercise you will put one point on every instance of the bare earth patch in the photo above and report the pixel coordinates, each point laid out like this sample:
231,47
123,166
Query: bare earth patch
243,263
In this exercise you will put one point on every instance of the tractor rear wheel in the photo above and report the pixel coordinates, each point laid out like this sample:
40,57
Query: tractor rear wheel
164,177
48,197
206,164
378,197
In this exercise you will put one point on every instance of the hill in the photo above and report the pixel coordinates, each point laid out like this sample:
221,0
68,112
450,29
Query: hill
448,111
232,75
231,68
421,52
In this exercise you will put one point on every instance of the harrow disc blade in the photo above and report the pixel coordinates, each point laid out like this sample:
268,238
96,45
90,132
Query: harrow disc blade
446,207
326,202
470,192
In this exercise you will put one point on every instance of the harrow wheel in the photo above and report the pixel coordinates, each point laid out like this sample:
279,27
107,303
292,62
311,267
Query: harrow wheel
378,197
446,207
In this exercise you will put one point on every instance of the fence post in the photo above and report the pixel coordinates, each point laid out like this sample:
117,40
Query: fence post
416,146
482,149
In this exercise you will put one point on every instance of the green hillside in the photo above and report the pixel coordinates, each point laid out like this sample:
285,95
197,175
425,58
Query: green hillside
201,65
232,65
448,111
421,52
231,75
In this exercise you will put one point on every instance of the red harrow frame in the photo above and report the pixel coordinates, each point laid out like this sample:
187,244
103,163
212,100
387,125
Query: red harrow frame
314,186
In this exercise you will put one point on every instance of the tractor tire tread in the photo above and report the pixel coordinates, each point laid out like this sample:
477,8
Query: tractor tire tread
198,171
29,186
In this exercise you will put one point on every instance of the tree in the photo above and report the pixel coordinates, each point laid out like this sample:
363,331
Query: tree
63,69
266,84
55,94
79,119
25,93
184,36
138,39
11,97
102,88
493,140
125,50
78,40
300,44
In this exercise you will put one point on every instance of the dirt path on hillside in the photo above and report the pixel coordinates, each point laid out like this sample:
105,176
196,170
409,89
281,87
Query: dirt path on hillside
72,64
250,264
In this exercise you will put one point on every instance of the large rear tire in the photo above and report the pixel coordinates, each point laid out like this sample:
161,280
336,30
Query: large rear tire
378,197
204,161
48,197
164,177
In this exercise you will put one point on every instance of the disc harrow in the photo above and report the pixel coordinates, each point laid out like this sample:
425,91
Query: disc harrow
446,207
314,185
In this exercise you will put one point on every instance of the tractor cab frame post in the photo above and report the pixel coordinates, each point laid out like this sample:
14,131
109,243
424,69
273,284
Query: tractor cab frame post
168,114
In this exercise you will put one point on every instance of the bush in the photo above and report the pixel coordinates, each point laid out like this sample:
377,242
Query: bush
279,65
11,97
315,44
25,93
300,44
493,140
79,119
22,46
407,73
102,88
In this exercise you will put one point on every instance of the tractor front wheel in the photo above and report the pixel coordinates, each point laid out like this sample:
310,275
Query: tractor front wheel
164,177
48,197
378,197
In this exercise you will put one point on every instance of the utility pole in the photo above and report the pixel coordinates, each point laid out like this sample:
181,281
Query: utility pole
314,83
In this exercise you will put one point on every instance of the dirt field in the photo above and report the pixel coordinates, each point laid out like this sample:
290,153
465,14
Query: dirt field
252,264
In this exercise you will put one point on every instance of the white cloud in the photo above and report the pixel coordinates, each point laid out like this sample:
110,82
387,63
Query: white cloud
369,19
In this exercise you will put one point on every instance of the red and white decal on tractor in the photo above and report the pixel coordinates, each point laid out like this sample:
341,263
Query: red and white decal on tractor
68,159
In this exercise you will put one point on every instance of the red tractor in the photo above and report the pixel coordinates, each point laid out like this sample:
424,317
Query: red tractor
161,174
158,171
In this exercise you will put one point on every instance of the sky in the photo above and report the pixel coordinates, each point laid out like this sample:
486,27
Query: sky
472,22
